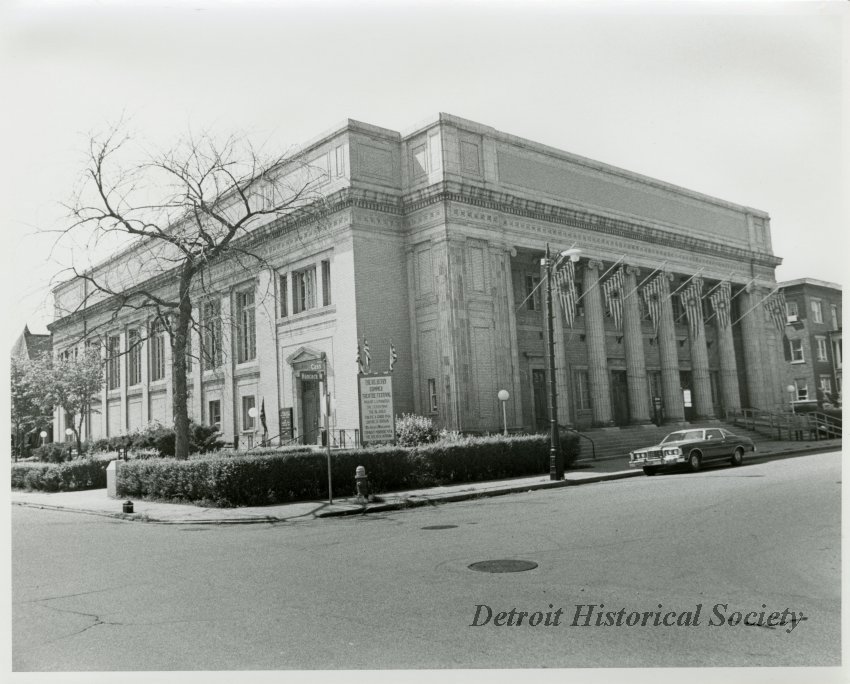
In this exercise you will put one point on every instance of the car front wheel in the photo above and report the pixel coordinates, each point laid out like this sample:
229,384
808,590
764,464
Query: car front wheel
738,457
695,461
650,471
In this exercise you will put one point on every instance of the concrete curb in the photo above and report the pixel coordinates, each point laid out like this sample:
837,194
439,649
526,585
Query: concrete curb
414,501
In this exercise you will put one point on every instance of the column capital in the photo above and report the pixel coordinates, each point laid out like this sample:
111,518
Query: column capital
631,270
593,264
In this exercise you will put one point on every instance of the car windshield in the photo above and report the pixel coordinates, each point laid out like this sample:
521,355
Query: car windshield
682,435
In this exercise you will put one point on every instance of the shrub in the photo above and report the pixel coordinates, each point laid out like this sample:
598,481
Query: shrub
83,473
53,452
269,477
413,430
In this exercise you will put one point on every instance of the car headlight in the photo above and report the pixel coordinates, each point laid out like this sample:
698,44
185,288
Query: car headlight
672,451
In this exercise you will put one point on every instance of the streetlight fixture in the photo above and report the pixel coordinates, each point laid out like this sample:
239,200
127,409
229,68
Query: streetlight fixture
792,390
556,461
503,397
43,435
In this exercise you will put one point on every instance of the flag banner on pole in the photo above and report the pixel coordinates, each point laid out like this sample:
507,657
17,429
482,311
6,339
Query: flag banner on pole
565,283
367,357
691,299
393,356
720,301
652,292
774,304
359,360
613,289
263,416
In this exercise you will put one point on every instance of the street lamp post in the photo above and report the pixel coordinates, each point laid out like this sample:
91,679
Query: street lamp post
792,390
556,461
503,397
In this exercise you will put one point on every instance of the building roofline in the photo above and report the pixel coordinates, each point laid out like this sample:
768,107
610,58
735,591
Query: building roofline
809,281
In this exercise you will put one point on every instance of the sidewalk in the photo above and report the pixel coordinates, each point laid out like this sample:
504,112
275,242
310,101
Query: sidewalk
96,502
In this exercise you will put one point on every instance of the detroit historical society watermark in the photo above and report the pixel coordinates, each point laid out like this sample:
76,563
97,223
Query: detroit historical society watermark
598,615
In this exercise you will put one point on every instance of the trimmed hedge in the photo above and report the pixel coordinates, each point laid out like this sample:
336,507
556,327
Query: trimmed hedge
262,479
60,477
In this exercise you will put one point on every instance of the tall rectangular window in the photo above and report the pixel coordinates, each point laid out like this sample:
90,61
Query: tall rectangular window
823,354
791,311
833,310
304,289
214,413
134,357
825,385
531,286
817,311
246,334
582,389
802,390
156,344
432,394
113,362
211,334
284,296
248,421
326,282
796,351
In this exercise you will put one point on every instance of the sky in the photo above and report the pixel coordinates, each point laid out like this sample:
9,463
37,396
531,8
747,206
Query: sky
738,101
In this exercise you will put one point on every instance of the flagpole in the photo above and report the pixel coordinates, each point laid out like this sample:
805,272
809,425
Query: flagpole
773,291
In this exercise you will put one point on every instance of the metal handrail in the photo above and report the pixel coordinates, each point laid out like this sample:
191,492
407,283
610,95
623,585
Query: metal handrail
581,434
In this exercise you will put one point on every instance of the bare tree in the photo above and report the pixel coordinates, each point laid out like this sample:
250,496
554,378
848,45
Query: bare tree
197,206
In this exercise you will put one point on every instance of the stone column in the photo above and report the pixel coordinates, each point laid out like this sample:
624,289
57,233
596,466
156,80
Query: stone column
412,290
699,356
729,390
197,377
671,384
122,372
633,342
752,332
597,371
266,331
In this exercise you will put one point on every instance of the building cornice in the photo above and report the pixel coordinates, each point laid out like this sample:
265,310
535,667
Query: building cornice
542,211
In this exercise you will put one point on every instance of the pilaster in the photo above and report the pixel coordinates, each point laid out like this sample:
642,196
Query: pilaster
752,332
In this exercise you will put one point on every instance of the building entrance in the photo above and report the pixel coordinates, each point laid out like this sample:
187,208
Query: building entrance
310,412
620,397
541,406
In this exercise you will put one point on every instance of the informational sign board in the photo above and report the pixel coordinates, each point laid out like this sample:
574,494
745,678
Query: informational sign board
377,414
285,424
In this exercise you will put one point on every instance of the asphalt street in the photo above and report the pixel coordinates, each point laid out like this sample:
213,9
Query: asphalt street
705,553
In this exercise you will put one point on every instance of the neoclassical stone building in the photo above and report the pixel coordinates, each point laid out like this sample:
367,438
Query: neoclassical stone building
433,243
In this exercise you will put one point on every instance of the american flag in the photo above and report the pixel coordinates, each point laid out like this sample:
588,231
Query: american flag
653,296
720,300
367,357
565,282
613,289
359,360
774,304
691,298
393,356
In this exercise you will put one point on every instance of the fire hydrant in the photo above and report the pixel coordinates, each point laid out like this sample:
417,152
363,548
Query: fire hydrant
362,483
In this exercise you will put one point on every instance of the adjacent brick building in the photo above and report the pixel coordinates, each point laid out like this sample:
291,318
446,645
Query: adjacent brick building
813,352
433,242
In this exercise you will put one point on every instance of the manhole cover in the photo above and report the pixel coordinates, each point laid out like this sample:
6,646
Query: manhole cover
438,527
503,566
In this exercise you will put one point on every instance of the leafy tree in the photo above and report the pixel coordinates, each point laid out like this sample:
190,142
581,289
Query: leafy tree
188,210
75,381
32,403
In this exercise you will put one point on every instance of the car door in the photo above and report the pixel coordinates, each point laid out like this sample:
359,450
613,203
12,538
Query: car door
715,444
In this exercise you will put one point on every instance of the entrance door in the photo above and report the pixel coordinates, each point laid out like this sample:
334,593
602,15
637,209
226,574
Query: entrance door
310,412
687,394
620,397
541,406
